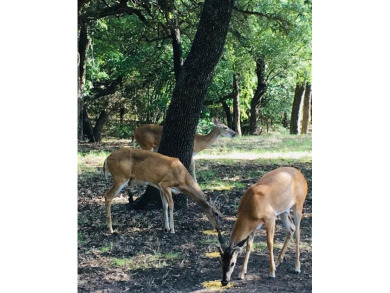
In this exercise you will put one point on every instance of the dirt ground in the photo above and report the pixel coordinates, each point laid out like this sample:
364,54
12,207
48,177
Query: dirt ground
142,258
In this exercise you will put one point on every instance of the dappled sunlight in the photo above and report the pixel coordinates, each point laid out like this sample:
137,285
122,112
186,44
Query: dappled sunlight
254,156
212,232
216,285
212,254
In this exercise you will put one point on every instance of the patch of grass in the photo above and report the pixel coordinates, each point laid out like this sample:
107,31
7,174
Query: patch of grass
209,240
274,143
217,184
146,261
105,249
88,163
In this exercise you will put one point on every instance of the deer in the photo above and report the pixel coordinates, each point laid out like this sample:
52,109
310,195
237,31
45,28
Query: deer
137,166
272,195
148,137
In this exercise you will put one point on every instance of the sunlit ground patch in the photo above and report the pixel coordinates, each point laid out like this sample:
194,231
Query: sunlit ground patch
216,285
212,232
212,254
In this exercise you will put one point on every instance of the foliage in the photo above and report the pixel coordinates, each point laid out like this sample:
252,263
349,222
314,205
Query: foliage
136,52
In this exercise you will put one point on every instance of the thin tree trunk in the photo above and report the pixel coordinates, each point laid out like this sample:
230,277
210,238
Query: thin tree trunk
100,122
295,112
236,106
83,44
229,120
191,87
87,126
121,115
306,109
259,93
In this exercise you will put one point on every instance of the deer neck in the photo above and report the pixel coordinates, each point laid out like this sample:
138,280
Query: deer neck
204,141
242,229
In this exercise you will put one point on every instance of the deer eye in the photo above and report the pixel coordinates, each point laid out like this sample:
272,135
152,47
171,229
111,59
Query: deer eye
232,264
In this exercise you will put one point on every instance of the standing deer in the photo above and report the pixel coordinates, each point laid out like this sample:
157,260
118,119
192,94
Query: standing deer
148,137
165,173
274,194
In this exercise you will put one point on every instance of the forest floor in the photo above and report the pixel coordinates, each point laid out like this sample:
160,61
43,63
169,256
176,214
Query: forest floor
142,258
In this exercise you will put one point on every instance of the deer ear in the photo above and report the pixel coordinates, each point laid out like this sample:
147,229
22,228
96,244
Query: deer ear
215,121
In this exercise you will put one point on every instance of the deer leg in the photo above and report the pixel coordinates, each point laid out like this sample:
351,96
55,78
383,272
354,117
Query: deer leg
297,218
168,197
270,228
192,167
108,197
165,210
290,227
249,243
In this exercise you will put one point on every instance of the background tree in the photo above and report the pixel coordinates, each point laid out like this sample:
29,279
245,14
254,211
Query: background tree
191,87
306,109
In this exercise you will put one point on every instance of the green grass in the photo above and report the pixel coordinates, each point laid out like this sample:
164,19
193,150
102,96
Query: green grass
88,163
105,249
217,184
266,143
146,261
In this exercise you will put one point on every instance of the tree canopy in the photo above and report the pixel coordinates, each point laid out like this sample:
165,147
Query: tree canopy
131,54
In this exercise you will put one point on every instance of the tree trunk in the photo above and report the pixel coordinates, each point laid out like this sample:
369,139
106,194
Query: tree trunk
87,127
177,49
82,60
295,112
229,120
121,114
98,129
236,106
284,121
259,93
191,87
306,109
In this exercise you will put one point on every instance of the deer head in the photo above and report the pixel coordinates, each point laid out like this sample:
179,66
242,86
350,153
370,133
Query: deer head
228,257
223,129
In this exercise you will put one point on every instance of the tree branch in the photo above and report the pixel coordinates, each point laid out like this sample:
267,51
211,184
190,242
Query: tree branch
283,23
119,9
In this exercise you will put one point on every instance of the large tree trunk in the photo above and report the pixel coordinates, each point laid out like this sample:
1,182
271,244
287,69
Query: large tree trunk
191,87
306,109
259,93
82,60
236,106
295,112
100,122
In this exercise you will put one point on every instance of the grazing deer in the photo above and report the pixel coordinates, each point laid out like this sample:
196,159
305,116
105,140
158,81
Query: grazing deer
148,137
165,173
274,194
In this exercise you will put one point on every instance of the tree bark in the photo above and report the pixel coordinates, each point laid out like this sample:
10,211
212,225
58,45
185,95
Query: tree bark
295,112
87,127
259,93
177,49
306,109
100,122
229,120
236,106
191,87
83,44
